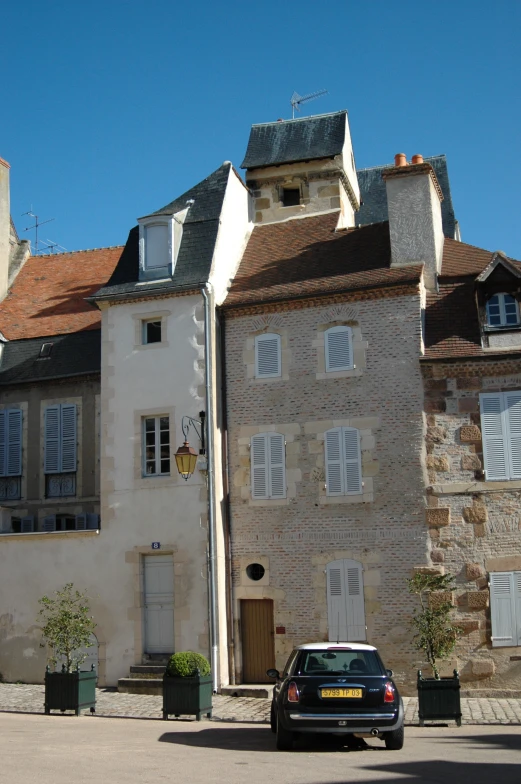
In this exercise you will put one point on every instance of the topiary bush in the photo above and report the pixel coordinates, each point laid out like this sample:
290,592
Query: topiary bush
187,664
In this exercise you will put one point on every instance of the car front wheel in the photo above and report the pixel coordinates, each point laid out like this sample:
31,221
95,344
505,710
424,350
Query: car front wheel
394,739
284,738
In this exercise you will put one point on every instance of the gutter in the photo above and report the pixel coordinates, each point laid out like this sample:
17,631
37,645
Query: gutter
143,293
212,574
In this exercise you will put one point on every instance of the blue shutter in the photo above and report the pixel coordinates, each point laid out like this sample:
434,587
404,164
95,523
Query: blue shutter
81,521
14,442
52,459
27,524
49,523
68,437
3,443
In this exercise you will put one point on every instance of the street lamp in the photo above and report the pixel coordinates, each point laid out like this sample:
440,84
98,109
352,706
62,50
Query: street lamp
186,456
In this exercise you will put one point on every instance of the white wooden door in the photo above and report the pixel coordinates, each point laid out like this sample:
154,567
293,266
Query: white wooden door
159,603
345,601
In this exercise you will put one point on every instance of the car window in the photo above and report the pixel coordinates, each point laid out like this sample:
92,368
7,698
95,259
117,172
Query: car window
338,662
290,662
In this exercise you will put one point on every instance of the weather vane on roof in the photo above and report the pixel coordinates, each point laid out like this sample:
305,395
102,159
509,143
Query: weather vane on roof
297,100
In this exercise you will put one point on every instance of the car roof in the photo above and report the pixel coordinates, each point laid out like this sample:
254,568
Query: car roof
321,646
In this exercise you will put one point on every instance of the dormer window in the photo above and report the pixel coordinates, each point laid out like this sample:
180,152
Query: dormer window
502,311
291,197
157,252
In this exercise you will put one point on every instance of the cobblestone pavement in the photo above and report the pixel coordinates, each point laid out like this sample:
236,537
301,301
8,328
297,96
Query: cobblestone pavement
24,698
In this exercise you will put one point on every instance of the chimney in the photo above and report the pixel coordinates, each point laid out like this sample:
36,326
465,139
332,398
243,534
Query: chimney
5,227
414,204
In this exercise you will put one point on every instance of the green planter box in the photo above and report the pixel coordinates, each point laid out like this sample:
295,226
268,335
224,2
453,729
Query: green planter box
74,691
439,699
187,696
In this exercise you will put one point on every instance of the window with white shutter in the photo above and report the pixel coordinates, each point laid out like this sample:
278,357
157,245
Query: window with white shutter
505,608
343,461
501,434
60,439
338,343
345,601
268,466
267,355
10,442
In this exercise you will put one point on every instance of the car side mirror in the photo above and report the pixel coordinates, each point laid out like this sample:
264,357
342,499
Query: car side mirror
273,674
389,673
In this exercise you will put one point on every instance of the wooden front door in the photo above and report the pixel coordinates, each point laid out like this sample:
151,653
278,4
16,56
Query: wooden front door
258,650
159,603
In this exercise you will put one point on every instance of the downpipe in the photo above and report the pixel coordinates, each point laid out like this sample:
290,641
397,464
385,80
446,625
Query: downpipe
214,656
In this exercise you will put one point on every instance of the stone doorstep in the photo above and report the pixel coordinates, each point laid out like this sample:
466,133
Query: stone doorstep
139,685
259,690
147,671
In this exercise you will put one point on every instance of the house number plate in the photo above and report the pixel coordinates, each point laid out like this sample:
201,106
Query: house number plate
156,545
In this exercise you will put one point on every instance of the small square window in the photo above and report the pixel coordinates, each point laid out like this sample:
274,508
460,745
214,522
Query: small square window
290,197
151,332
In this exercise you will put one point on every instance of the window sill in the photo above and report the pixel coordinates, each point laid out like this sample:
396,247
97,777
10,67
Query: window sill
359,498
354,373
460,488
502,328
159,344
49,534
268,502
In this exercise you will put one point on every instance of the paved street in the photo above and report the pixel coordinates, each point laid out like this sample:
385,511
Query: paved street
64,750
29,699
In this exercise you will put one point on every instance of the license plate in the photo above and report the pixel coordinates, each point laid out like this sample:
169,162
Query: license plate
341,693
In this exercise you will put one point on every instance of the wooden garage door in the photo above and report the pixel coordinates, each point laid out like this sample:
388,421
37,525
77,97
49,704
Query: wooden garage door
258,652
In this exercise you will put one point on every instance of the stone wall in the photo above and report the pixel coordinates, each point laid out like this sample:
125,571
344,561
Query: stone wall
294,539
474,524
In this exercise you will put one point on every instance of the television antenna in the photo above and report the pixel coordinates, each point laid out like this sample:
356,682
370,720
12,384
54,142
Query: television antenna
297,100
50,247
37,223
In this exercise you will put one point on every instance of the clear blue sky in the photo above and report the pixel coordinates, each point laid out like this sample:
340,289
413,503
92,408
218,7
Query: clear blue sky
111,109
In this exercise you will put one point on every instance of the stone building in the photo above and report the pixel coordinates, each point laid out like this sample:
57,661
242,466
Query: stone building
472,378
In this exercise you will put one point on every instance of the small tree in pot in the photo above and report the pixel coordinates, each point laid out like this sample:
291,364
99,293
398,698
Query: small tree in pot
187,686
67,631
436,635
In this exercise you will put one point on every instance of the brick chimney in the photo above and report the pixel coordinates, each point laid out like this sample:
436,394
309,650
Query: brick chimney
414,204
5,227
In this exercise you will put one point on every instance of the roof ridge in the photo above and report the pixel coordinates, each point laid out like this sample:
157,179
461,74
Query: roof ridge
70,252
458,243
392,165
300,119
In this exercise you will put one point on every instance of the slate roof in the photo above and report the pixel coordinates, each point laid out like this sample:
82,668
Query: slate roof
374,196
78,353
304,257
48,294
289,141
452,328
197,244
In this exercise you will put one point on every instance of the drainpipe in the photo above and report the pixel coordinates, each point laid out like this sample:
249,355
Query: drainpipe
206,292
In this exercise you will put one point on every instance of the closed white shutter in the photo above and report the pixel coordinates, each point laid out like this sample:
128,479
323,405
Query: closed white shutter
512,407
345,601
68,437
49,523
277,467
259,467
334,462
267,356
10,442
517,602
339,348
52,460
268,466
352,460
494,437
502,609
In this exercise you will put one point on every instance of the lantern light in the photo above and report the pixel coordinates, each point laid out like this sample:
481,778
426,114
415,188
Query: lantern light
186,456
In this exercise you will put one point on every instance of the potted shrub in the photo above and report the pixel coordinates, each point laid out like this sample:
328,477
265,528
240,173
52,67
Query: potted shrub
436,635
187,686
66,631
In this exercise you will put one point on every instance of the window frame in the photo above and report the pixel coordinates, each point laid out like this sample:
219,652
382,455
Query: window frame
157,446
339,329
287,190
503,323
144,336
264,337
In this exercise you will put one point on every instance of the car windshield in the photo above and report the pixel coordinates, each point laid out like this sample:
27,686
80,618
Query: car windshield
339,662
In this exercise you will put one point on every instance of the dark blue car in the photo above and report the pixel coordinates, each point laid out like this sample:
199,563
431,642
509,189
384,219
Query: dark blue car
338,688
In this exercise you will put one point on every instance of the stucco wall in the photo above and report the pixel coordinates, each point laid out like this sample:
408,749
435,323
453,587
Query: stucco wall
295,538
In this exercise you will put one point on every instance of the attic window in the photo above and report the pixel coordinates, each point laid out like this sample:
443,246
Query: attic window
502,311
291,197
45,351
156,246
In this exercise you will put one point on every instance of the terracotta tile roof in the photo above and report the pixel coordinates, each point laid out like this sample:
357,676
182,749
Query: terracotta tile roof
451,321
306,256
48,295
